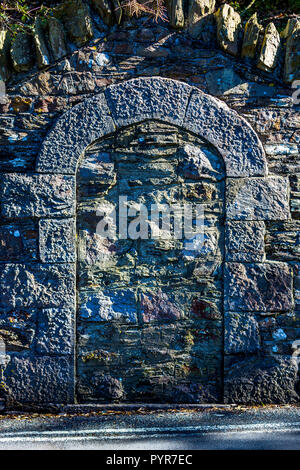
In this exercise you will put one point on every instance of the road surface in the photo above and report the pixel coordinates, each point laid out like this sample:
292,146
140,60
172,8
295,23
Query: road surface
235,429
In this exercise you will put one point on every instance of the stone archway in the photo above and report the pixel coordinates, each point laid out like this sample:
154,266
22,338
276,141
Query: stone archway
251,198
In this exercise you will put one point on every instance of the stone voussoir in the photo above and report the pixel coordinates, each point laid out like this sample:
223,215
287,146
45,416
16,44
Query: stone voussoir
73,132
148,98
237,142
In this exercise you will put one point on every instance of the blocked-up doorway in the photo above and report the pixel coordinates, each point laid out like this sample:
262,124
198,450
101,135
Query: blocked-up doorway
150,311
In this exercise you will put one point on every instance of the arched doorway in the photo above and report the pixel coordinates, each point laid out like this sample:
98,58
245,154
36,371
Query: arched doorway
150,307
251,198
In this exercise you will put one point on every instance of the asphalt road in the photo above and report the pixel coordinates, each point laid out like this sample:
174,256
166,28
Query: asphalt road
234,429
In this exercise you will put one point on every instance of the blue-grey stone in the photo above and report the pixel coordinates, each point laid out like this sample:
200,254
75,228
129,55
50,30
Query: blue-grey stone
57,240
55,334
37,285
119,305
241,333
231,134
257,198
244,241
41,380
258,287
37,195
148,98
72,133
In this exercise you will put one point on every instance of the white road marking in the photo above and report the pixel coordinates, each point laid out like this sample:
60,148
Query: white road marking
129,433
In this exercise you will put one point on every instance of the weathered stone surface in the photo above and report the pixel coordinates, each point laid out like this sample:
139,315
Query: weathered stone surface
176,15
224,82
41,380
55,331
148,98
257,198
245,241
292,55
159,307
241,334
73,132
37,195
37,285
202,28
261,381
21,53
283,241
228,29
96,172
57,38
269,50
42,53
197,163
105,11
18,242
228,132
258,287
200,11
251,36
18,328
5,42
117,305
76,18
57,241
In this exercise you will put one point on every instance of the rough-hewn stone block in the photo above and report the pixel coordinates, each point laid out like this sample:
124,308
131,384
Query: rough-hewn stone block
55,333
148,98
292,56
57,240
37,285
258,287
228,132
41,380
37,195
201,19
73,132
228,29
245,241
257,198
241,333
269,50
260,380
251,36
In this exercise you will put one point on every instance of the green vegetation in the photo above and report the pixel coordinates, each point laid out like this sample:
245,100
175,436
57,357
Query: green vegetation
265,8
19,15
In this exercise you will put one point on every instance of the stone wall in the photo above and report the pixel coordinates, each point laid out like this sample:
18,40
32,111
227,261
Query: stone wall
238,350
